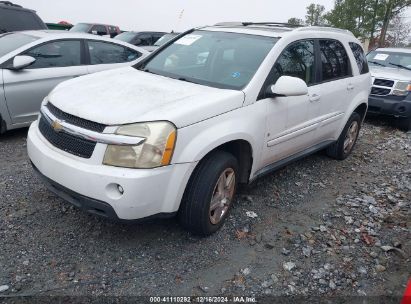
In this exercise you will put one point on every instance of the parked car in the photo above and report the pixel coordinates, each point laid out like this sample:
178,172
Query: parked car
177,135
32,63
97,29
391,90
145,40
14,17
166,38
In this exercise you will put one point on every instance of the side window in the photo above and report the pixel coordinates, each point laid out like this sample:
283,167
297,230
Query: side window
56,54
99,30
297,60
334,60
360,58
106,53
144,40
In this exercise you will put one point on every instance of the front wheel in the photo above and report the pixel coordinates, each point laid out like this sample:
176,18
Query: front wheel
343,147
209,194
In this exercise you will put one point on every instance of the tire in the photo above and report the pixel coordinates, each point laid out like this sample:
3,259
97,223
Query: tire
338,149
3,127
405,124
195,212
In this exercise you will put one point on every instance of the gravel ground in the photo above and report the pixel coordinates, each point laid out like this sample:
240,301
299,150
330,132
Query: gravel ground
316,227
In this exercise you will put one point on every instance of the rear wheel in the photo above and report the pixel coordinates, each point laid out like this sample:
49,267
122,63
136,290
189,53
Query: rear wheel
345,144
209,194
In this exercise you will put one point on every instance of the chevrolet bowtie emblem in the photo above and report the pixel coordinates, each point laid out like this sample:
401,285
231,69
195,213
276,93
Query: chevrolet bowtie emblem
56,125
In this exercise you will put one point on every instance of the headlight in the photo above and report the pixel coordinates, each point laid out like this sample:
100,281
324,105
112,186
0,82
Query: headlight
402,88
156,150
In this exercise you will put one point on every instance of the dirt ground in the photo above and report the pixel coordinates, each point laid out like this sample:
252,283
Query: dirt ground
323,228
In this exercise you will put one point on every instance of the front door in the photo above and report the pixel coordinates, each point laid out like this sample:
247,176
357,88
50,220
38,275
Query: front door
56,61
291,120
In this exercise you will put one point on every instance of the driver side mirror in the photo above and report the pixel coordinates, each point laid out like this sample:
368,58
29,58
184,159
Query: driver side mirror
287,86
22,61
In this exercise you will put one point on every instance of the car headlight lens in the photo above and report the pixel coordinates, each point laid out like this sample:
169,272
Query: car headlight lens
402,88
156,150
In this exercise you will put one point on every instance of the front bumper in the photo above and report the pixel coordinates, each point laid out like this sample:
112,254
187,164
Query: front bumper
397,106
94,187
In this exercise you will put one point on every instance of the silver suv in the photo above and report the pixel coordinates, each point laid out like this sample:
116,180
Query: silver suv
391,91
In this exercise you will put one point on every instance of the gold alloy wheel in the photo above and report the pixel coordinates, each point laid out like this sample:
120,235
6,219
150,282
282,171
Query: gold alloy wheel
222,196
351,136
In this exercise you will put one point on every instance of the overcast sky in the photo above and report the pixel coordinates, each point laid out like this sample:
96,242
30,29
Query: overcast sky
164,14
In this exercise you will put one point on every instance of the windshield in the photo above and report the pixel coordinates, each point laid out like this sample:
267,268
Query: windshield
126,37
217,59
163,40
390,59
80,28
13,41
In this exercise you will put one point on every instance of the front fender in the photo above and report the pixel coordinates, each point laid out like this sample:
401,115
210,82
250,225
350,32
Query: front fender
247,123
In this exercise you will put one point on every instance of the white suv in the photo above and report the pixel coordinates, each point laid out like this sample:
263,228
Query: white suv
213,108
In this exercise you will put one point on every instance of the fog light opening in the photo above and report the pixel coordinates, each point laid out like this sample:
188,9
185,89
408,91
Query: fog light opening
114,191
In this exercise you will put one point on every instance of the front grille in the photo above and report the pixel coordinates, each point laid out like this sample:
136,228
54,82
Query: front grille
384,83
76,121
66,142
380,91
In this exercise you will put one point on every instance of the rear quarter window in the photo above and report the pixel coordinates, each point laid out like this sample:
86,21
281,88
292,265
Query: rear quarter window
360,58
19,20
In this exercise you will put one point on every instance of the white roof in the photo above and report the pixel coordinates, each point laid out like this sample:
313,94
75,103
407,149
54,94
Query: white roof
273,30
396,50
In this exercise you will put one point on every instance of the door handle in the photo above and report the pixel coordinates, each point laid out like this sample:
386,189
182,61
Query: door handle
350,87
315,98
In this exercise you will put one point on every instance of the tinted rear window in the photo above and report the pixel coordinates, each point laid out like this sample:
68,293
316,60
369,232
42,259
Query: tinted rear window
19,20
334,60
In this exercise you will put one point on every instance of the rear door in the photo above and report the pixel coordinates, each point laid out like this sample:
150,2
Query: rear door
56,61
336,88
104,55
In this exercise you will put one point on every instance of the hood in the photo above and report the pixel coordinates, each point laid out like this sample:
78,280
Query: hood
127,95
390,73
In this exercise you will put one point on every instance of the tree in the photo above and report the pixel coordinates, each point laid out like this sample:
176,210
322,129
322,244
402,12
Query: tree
398,32
392,8
315,14
295,21
365,18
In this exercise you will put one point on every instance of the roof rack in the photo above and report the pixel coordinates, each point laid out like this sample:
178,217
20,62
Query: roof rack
273,24
324,29
10,4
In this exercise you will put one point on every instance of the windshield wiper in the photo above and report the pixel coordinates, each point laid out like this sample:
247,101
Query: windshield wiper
400,66
186,80
148,71
377,63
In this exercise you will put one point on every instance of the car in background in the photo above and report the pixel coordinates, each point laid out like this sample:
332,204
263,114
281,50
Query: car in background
14,17
145,40
391,90
97,29
164,39
32,63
